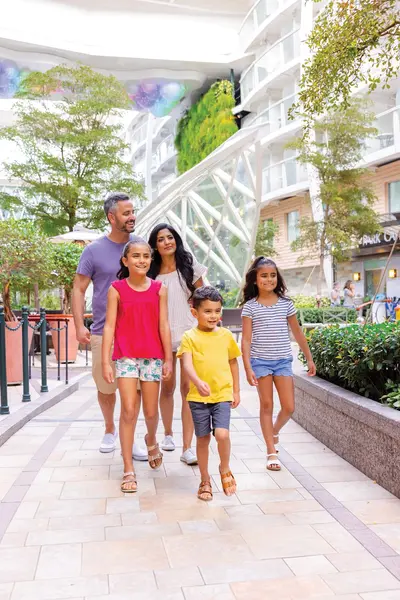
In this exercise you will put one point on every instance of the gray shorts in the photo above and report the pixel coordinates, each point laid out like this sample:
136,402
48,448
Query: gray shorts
209,416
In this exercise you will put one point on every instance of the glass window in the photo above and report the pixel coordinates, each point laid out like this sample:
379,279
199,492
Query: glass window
394,197
292,223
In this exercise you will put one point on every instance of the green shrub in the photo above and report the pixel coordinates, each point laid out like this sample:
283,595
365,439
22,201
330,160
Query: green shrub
301,301
316,315
230,297
359,358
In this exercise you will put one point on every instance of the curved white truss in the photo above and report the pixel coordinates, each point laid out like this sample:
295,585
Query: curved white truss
216,206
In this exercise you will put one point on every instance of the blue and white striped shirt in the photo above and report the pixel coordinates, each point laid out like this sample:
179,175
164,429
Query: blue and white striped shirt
270,330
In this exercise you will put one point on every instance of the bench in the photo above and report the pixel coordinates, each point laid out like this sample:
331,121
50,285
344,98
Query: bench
329,316
232,320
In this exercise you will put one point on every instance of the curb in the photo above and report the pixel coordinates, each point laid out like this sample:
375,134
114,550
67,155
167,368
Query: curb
15,422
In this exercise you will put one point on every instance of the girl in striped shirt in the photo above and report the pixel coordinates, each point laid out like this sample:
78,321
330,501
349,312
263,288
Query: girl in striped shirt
267,354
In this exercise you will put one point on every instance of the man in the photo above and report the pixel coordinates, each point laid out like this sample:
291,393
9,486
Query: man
100,263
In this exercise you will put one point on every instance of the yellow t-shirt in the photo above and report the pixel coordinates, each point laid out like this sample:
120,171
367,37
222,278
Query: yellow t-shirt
211,353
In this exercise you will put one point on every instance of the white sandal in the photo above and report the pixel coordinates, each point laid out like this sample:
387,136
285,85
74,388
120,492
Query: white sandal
273,464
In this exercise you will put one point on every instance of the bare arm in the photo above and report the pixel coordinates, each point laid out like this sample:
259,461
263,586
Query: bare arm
234,366
302,342
108,333
81,284
165,332
247,333
187,364
199,283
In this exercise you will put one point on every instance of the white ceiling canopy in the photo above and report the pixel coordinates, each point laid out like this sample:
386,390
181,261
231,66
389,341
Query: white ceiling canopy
228,7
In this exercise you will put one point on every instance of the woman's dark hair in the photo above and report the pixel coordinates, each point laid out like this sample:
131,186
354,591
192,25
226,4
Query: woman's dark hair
183,258
123,273
347,284
250,289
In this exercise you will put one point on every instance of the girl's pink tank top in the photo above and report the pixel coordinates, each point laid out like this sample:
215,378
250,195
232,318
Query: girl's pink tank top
137,327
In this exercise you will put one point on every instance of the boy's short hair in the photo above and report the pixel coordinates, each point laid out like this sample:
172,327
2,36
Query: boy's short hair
207,292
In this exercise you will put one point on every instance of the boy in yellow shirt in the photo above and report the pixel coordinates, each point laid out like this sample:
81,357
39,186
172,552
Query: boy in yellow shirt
209,356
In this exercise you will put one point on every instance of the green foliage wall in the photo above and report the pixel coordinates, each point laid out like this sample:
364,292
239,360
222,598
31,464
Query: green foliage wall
206,125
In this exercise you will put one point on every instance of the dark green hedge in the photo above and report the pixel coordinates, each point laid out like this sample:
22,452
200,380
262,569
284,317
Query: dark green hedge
316,315
360,358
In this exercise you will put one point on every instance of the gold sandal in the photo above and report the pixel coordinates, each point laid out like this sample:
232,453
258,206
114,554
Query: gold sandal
205,488
126,482
155,460
228,481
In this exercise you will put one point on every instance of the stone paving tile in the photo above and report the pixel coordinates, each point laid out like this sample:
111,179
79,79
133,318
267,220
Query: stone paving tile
72,534
361,581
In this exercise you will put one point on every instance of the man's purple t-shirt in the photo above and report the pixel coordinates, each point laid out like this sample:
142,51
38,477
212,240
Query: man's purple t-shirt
100,262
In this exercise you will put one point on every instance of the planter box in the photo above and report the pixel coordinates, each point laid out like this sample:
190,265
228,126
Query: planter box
362,431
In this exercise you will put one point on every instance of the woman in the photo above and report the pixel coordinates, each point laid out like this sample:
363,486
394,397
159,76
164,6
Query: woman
349,292
335,295
181,274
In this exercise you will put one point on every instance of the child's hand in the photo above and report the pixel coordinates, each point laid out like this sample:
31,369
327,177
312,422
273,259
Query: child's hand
251,378
236,399
312,369
167,369
203,388
108,373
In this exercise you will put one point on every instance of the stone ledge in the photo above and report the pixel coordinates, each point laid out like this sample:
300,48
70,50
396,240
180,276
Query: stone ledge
14,422
362,431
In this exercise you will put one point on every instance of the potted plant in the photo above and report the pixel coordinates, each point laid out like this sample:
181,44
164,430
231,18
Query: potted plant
65,258
24,258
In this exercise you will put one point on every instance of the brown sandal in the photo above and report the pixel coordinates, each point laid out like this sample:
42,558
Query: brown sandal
155,460
128,482
205,488
228,481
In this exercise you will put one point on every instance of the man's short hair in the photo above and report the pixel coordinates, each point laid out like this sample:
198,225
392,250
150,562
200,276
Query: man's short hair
207,292
112,200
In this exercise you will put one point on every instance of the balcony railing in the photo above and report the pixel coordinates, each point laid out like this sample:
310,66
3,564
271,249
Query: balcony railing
138,137
283,174
276,115
258,14
273,59
165,151
387,124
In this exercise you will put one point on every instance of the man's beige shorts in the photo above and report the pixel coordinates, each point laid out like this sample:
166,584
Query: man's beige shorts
97,372
102,386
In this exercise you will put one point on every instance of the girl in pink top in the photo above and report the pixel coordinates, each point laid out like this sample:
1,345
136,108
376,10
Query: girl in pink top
137,322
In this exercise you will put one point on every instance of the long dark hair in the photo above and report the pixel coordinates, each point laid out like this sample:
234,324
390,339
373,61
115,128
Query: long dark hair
183,258
250,289
123,273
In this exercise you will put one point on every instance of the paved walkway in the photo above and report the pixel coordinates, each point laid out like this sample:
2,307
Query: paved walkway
319,529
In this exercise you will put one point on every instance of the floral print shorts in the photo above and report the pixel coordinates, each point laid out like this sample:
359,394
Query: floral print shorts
145,369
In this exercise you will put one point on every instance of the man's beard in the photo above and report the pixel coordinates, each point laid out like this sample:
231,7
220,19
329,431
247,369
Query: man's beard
124,227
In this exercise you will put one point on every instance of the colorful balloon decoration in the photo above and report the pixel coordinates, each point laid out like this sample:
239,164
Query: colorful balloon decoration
10,76
158,97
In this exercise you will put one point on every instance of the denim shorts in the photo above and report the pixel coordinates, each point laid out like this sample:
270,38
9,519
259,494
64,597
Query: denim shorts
280,367
208,416
145,369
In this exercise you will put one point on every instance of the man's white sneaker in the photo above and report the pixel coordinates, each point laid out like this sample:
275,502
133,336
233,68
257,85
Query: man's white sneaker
189,457
138,452
108,442
168,443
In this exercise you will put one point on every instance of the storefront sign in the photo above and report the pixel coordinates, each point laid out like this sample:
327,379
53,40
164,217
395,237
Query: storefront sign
386,237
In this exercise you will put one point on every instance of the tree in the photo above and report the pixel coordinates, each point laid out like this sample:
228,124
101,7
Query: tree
352,41
24,258
72,148
266,233
65,259
206,125
345,191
